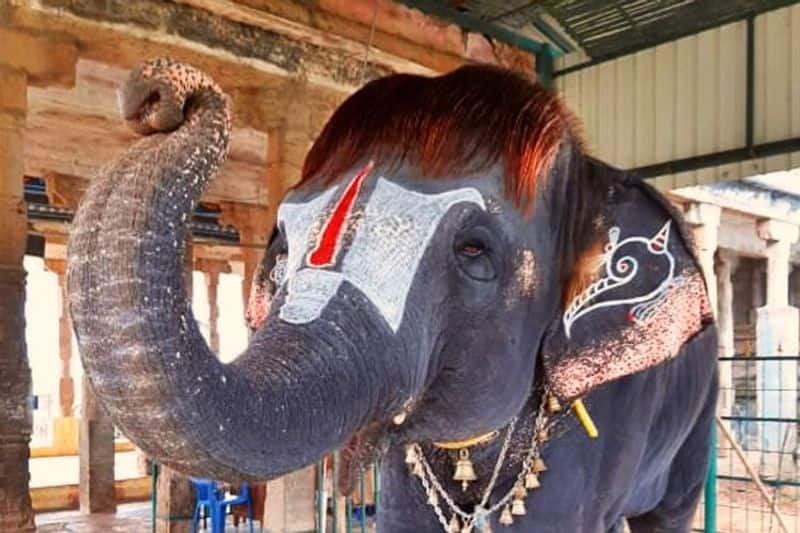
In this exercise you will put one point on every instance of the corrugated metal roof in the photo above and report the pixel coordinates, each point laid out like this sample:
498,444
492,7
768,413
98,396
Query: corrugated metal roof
688,98
603,29
614,28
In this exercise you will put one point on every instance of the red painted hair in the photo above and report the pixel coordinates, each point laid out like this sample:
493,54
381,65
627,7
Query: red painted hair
461,122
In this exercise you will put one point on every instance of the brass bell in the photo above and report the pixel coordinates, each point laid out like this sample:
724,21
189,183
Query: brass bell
518,507
553,406
464,470
538,465
455,525
433,498
505,517
411,455
542,435
531,481
467,528
520,491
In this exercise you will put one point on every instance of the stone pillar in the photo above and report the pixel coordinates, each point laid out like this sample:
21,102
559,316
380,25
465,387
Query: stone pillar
175,502
777,331
96,445
290,504
704,221
38,60
727,262
212,284
66,386
211,269
175,494
16,418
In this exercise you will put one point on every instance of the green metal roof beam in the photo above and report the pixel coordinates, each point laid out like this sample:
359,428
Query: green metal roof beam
468,22
543,51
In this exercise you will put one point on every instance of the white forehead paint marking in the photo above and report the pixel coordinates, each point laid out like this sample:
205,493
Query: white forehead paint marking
383,258
297,221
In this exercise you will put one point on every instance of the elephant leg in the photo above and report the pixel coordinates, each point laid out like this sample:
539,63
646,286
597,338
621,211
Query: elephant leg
676,510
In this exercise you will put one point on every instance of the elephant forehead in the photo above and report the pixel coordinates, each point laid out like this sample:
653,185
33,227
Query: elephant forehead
393,231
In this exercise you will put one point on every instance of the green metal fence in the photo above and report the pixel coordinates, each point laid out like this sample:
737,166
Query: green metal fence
754,480
346,514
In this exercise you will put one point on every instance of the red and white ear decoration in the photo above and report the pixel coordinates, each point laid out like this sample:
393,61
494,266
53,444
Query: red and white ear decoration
619,271
658,244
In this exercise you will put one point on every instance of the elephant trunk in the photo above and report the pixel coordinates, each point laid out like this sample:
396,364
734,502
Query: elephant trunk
296,393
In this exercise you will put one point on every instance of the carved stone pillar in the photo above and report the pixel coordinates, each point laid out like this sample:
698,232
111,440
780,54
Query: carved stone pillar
704,221
777,331
96,455
16,419
212,284
289,505
211,269
66,385
38,60
96,445
727,262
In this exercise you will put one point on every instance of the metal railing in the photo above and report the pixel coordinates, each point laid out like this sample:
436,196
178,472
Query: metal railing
338,513
754,481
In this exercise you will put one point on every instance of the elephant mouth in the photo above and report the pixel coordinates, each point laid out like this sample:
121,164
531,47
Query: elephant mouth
363,448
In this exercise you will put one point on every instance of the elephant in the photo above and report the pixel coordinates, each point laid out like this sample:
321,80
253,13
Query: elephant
519,332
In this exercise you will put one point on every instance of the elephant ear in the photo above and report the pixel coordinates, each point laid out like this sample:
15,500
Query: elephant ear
643,299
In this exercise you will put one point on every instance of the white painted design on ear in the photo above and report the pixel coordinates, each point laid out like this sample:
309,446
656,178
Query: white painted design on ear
391,238
621,271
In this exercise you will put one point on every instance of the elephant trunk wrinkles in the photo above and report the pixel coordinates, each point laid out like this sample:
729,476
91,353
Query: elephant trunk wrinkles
272,410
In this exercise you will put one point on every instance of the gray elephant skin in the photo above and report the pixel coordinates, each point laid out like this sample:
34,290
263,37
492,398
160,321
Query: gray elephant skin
451,261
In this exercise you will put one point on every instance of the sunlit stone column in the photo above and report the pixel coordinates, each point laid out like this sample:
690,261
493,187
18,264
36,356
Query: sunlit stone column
726,264
211,269
66,385
16,419
96,444
212,286
704,220
96,449
777,331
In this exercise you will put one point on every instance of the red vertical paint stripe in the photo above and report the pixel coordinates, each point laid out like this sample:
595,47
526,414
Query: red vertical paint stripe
324,253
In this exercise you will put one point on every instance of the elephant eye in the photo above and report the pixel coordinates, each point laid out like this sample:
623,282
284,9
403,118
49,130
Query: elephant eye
471,249
278,272
474,256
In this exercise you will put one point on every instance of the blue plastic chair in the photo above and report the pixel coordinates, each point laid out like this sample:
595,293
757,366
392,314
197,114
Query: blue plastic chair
207,502
224,505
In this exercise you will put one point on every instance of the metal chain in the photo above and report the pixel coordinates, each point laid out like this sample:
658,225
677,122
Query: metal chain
498,466
431,482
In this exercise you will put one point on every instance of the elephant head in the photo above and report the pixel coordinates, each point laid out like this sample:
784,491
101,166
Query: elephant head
414,287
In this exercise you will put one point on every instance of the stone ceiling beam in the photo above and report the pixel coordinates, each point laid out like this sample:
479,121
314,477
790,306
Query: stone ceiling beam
236,54
46,59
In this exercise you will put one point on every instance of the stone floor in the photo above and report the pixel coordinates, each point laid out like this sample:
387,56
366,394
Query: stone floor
129,518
